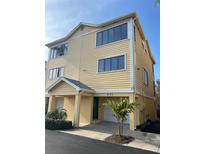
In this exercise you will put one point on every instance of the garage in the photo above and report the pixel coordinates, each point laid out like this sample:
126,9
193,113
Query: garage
108,115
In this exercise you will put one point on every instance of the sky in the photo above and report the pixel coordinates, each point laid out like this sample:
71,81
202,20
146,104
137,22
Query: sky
63,15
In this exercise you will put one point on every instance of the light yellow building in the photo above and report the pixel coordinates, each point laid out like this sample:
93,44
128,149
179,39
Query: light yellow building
94,63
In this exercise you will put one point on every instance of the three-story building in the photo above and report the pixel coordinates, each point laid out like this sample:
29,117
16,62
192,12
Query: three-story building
94,63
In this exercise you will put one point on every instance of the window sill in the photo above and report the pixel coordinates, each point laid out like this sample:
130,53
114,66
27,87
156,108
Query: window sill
114,71
111,43
60,57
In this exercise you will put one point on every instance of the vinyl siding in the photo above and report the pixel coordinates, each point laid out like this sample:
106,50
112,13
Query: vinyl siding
62,89
85,108
81,62
143,60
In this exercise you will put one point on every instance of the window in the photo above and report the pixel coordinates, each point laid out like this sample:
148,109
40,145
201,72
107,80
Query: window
99,38
105,37
117,33
58,51
121,62
107,64
101,65
146,78
114,63
124,31
56,73
111,64
112,34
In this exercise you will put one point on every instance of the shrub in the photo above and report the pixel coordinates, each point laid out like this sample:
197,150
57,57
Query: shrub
54,124
57,114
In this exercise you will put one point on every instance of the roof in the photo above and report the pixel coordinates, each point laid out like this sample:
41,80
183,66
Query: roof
79,86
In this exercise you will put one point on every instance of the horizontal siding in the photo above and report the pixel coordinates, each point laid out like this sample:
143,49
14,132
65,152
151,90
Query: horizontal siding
62,88
81,62
105,80
143,60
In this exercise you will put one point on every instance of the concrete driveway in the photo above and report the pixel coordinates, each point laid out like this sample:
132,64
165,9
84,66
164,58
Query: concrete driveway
61,143
112,128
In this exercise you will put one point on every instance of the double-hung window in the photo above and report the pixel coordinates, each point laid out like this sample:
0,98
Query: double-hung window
112,35
111,64
58,51
146,77
56,73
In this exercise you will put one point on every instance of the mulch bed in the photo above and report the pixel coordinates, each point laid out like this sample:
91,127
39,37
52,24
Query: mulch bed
119,139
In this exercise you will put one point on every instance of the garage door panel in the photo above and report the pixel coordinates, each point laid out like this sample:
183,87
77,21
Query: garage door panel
108,115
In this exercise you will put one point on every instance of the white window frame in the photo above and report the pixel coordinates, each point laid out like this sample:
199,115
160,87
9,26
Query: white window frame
120,70
53,73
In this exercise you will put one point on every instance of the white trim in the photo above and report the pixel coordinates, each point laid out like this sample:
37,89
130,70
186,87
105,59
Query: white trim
132,55
111,56
114,91
68,82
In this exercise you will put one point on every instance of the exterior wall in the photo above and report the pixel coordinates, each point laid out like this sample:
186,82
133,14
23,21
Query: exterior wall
69,103
147,109
63,89
85,108
143,60
81,61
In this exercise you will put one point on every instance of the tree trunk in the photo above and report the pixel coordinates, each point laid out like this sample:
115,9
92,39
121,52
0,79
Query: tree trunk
122,127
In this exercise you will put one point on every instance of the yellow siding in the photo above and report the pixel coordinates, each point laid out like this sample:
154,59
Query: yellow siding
86,110
147,108
69,103
143,60
81,61
62,89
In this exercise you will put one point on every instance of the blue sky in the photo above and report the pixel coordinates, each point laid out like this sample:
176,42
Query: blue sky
63,15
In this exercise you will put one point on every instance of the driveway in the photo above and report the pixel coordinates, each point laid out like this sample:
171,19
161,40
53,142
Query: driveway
112,128
61,143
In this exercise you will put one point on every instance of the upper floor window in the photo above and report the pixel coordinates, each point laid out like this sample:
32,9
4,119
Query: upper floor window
146,77
143,47
56,73
112,35
58,51
111,64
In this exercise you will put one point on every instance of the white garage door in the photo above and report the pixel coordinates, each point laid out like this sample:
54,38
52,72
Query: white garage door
108,115
59,103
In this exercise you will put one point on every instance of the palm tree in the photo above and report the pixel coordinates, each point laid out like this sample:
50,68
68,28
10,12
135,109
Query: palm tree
120,109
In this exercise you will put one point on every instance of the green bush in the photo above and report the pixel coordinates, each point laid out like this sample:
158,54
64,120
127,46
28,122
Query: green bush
54,124
57,114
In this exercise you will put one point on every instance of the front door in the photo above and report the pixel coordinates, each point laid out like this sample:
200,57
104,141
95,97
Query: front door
95,108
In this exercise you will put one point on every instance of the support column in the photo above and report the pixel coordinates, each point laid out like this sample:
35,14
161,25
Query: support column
134,116
77,110
51,104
